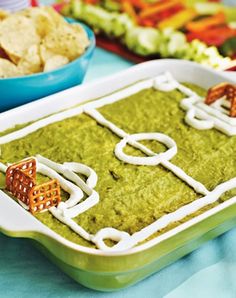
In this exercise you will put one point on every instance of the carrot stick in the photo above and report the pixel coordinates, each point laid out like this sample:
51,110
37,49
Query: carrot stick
91,1
158,7
147,23
129,9
206,23
139,4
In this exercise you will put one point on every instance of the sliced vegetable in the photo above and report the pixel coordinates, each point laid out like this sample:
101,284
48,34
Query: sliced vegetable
146,41
121,24
91,1
177,45
143,41
214,36
147,22
232,25
178,20
206,23
230,13
158,8
112,5
206,8
229,47
163,15
139,3
129,9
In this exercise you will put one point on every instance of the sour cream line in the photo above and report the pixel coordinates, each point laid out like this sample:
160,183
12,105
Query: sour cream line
197,186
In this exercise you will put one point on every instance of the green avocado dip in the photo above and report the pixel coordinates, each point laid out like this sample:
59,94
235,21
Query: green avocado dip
131,197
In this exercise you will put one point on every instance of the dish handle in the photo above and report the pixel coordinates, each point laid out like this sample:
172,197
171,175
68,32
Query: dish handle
15,221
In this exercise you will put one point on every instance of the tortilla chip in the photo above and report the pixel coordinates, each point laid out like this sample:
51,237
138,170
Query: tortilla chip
39,39
45,53
41,19
17,34
67,40
55,62
31,62
54,16
8,69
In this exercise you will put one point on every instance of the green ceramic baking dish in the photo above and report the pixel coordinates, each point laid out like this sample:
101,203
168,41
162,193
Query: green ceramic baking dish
110,271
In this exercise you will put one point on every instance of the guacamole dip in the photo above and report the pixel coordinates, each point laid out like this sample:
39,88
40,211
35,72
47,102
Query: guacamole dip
131,196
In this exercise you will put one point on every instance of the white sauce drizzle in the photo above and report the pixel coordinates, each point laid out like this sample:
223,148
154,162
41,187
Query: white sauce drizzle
154,158
222,105
203,124
198,115
18,134
71,208
3,168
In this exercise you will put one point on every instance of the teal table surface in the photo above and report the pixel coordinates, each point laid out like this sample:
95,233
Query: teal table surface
208,272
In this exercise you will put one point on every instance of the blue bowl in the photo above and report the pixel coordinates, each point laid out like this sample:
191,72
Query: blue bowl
21,90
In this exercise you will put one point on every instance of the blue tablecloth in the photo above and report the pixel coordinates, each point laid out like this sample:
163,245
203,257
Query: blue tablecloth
208,272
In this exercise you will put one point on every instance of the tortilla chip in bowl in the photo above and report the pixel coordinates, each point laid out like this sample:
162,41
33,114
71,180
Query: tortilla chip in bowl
53,56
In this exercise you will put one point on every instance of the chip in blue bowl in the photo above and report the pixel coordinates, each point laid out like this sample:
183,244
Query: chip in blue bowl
20,90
